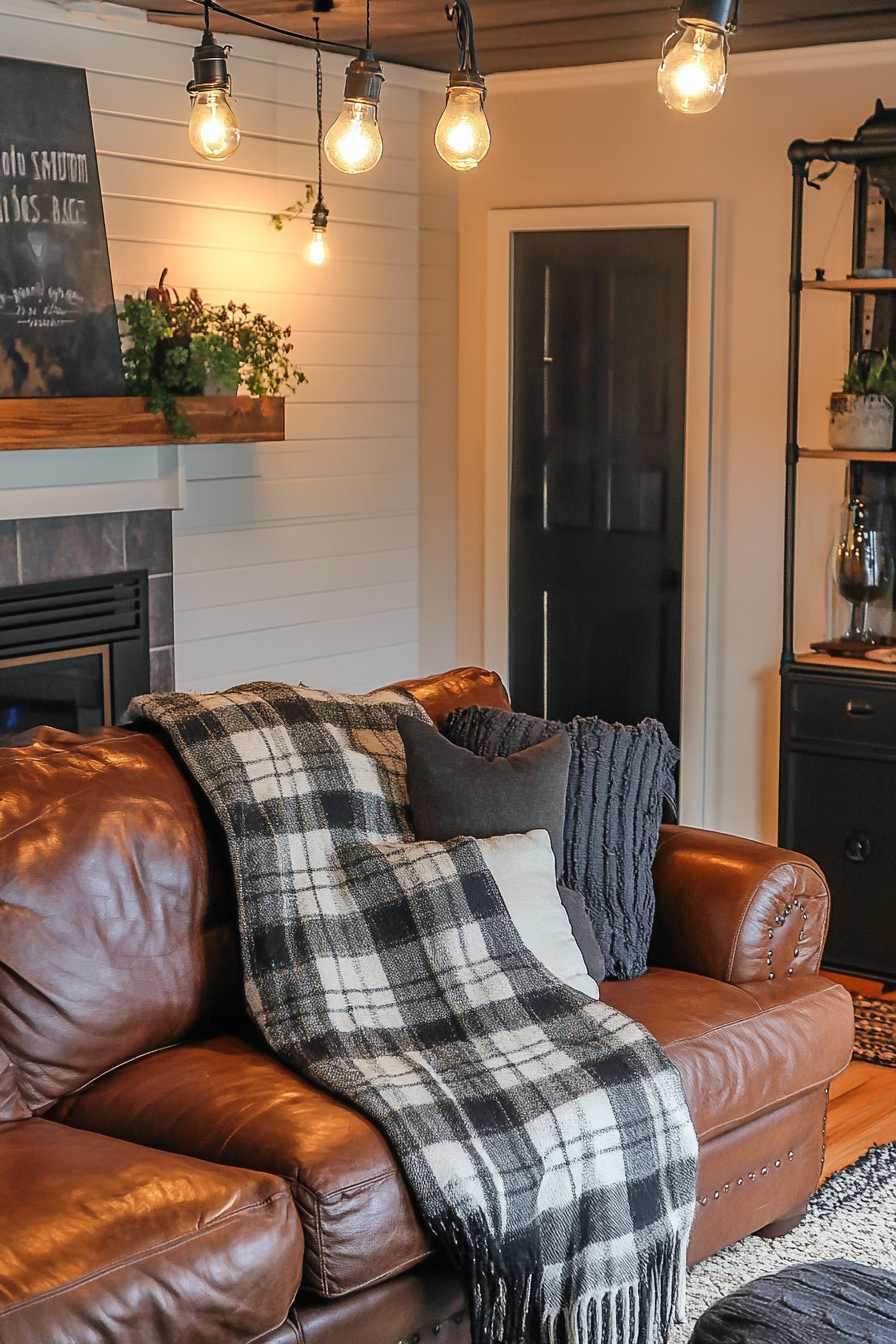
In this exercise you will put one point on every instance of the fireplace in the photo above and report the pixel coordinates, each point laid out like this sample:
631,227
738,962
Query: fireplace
73,652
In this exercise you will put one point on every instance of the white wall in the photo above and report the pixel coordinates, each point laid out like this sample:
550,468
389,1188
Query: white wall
603,136
293,561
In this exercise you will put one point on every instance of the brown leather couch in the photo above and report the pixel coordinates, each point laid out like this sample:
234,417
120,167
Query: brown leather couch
164,1178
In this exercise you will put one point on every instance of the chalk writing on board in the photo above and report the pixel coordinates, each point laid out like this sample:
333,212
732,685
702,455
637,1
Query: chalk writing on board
58,330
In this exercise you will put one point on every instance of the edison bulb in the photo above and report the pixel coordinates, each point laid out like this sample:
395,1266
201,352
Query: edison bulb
317,252
354,143
462,135
214,132
693,72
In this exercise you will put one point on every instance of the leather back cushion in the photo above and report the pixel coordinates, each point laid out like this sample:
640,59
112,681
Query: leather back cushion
110,942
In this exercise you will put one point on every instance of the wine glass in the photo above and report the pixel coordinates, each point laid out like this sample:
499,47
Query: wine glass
864,568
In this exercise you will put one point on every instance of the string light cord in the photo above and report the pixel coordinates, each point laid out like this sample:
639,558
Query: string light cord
320,112
459,14
316,43
320,213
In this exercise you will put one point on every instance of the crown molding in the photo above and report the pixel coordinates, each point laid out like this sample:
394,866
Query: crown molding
835,56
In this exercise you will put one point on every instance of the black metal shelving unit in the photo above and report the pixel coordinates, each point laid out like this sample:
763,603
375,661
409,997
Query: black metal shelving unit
838,717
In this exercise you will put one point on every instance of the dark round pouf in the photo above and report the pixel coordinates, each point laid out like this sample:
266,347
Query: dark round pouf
828,1302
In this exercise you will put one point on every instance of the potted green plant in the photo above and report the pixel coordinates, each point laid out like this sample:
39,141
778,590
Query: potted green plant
176,348
861,415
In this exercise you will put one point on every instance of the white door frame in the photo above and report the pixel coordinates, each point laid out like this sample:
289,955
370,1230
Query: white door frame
698,217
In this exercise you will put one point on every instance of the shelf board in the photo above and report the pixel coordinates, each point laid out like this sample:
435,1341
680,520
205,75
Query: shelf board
123,422
845,665
847,286
848,455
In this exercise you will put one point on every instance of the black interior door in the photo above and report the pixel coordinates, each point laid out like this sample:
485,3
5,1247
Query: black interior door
597,493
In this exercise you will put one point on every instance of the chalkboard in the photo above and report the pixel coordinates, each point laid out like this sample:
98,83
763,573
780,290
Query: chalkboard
58,329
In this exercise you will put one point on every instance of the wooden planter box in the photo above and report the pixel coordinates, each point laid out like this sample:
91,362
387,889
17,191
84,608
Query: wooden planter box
121,422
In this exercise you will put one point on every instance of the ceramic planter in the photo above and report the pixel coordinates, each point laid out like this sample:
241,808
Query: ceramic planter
864,423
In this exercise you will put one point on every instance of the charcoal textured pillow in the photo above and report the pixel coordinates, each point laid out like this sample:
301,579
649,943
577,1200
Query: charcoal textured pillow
582,931
454,792
618,780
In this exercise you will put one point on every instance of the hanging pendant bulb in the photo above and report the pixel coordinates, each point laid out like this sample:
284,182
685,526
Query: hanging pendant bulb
462,135
693,74
694,68
353,143
214,133
317,252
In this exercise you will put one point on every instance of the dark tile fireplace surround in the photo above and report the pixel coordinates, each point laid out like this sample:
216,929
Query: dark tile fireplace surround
49,550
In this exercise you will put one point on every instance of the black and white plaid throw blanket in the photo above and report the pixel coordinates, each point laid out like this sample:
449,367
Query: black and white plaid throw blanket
544,1136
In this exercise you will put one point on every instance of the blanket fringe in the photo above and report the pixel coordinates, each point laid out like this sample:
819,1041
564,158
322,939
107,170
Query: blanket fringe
503,1284
641,1313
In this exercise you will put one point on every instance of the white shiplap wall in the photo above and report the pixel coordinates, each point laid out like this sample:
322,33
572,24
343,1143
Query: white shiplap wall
293,561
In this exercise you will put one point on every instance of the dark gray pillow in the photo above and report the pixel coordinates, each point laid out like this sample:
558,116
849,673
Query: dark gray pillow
618,779
454,792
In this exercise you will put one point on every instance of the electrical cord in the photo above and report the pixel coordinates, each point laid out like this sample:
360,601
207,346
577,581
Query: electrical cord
320,117
303,38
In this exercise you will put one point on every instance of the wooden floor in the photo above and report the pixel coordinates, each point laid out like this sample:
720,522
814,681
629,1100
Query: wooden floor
862,1108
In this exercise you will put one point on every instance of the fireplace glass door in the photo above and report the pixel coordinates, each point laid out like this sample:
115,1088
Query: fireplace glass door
70,690
73,652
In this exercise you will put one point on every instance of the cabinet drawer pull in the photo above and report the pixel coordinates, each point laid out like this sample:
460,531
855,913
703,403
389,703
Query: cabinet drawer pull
859,707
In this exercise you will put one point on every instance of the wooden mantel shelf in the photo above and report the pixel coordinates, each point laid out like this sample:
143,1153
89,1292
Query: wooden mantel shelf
122,422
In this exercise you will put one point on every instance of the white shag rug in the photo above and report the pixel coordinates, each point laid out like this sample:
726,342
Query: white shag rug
852,1217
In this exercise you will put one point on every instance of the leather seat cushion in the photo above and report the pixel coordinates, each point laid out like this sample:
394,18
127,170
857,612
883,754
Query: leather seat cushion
226,1101
741,1050
104,1240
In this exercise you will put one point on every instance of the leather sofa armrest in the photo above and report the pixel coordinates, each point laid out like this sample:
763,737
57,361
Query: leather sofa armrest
736,910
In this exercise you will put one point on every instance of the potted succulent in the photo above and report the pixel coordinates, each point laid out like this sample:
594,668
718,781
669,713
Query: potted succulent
861,415
178,348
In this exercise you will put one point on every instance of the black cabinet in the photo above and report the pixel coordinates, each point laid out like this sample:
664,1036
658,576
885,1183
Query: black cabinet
838,805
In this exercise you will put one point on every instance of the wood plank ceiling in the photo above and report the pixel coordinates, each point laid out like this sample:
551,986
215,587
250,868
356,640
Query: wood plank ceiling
524,35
